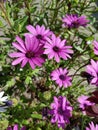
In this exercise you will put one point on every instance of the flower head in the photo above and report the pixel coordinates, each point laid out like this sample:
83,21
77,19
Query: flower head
55,48
60,76
39,32
29,51
61,111
92,70
84,102
15,127
95,43
92,126
74,21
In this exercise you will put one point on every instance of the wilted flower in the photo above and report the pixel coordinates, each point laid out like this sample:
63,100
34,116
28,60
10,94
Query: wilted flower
39,32
15,127
93,109
60,76
92,70
60,111
56,48
92,126
29,51
74,21
84,102
95,43
89,105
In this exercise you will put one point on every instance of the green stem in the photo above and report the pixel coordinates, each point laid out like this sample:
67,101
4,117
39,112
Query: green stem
28,12
5,14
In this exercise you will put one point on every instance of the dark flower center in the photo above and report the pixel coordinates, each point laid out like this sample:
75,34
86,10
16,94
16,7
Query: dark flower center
60,111
62,77
39,37
56,49
29,54
75,23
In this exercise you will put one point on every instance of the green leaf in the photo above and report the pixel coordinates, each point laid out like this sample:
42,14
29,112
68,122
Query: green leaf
19,24
1,24
28,79
77,47
36,116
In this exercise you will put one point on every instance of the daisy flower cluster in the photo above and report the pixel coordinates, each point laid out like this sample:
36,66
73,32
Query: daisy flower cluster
38,42
39,45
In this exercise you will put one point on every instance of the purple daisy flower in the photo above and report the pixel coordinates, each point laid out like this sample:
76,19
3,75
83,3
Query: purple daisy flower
92,70
39,32
15,127
60,76
56,48
74,21
29,51
95,43
60,111
92,126
83,100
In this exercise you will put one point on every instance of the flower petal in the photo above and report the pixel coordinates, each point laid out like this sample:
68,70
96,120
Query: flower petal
17,61
18,47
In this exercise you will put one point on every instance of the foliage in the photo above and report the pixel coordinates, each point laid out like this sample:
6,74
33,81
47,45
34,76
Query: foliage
32,90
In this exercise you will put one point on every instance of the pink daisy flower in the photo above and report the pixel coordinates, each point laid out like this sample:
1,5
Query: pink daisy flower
95,43
55,48
84,102
61,111
92,126
29,51
39,32
74,21
15,127
92,70
60,76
